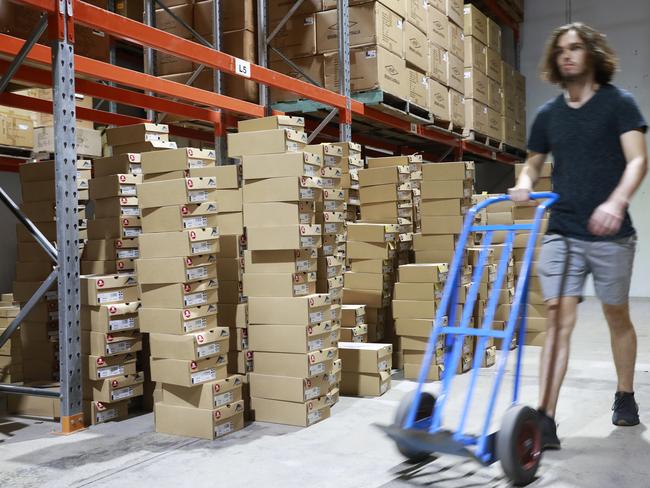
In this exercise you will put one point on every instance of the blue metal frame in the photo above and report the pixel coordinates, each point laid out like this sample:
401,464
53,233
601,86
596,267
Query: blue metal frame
456,333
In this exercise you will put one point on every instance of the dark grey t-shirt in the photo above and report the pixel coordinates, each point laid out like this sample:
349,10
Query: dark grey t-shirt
588,157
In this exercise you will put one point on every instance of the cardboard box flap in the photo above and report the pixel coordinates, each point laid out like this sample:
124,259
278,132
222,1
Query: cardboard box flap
106,282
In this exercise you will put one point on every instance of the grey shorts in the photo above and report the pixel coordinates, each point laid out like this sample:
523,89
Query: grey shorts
610,263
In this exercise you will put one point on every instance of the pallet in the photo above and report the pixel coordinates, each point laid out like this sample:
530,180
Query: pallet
512,150
16,152
447,125
472,135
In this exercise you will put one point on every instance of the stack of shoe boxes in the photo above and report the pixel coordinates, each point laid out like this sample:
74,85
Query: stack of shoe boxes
353,323
350,165
39,331
110,339
293,339
11,353
366,368
372,257
416,299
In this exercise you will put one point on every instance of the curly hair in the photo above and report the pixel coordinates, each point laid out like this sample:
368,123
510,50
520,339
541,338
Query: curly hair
600,55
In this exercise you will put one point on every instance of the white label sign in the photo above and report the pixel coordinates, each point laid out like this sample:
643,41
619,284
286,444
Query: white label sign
112,296
195,163
121,324
200,247
207,350
312,393
315,345
195,299
196,324
130,211
122,393
223,399
242,68
128,254
110,371
203,376
195,222
316,317
223,429
313,417
198,196
106,415
129,190
118,347
315,369
197,273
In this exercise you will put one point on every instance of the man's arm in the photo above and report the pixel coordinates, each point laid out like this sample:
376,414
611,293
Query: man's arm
528,177
608,217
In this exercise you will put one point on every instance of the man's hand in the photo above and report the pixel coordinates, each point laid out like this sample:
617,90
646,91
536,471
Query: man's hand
519,194
607,218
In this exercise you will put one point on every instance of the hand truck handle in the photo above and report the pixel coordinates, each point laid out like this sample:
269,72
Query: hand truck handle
549,196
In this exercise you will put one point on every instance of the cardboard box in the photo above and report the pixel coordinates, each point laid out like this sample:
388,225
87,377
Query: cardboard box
439,101
295,164
100,290
438,64
179,217
475,54
89,141
293,338
311,66
358,333
176,270
461,170
365,384
230,201
287,189
211,395
370,250
298,37
117,207
188,373
383,176
456,41
493,65
369,232
192,242
414,327
476,86
266,142
101,344
370,23
111,318
366,358
137,133
438,28
416,47
279,284
281,261
368,281
456,73
494,124
457,106
412,372
493,35
476,117
114,228
423,273
271,214
417,291
416,14
96,412
119,185
451,206
290,389
494,96
194,346
179,295
239,15
308,310
111,249
115,389
176,160
178,321
291,413
475,23
199,422
231,223
233,314
414,309
184,191
309,365
446,189
418,89
285,237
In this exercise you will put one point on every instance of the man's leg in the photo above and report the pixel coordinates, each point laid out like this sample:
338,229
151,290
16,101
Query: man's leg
623,339
562,315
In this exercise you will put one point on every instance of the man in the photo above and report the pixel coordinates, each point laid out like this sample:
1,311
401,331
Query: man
595,133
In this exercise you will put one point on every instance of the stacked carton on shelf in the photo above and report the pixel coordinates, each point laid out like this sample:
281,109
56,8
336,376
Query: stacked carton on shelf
366,368
291,333
353,323
350,165
11,353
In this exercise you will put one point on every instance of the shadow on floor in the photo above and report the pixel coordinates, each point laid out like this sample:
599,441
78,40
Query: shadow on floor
9,426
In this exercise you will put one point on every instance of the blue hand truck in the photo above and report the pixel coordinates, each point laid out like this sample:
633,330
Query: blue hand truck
417,429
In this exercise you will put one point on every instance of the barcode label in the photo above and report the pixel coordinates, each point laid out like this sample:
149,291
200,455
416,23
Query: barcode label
118,347
197,196
122,393
200,247
110,371
223,429
196,324
203,376
305,218
128,254
293,146
312,393
121,324
307,193
315,369
197,273
308,241
313,417
195,222
132,232
331,205
106,415
223,399
330,228
110,296
357,338
316,317
195,163
309,170
302,265
315,345
382,366
149,137
207,350
299,290
195,299
328,249
129,190
130,211
383,388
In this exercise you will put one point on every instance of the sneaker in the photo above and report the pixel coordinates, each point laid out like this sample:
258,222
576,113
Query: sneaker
550,440
626,410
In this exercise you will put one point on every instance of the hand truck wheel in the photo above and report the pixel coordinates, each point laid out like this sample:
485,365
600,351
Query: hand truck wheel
425,410
519,444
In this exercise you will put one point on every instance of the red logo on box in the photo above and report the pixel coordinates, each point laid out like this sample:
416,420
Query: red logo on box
114,383
186,287
123,200
131,157
100,362
186,314
217,414
200,339
190,152
188,261
190,183
100,283
312,358
310,330
192,235
122,178
118,243
184,210
217,388
193,365
109,337
125,222
302,229
112,309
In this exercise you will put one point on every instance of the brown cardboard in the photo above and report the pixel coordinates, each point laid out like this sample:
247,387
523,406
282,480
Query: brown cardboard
89,141
456,73
298,365
233,314
111,318
306,310
366,358
452,206
281,261
416,14
414,327
423,273
176,160
358,333
365,384
370,250
461,170
231,269
186,243
298,37
369,232
117,207
279,284
287,388
370,23
184,191
418,91
367,281
285,237
238,15
311,67
179,217
457,106
271,214
438,101
100,344
476,85
96,412
122,185
99,290
199,422
280,165
494,95
179,295
475,54
287,189
176,270
456,41
438,64
266,142
114,228
210,395
476,116
494,124
133,134
188,373
194,346
231,223
292,338
414,309
493,35
383,176
178,321
290,413
438,28
446,189
417,291
115,389
416,47
475,23
493,65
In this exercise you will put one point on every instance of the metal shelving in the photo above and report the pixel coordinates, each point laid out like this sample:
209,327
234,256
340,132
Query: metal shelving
58,67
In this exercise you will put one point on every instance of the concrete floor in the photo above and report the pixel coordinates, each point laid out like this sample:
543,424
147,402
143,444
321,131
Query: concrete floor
347,450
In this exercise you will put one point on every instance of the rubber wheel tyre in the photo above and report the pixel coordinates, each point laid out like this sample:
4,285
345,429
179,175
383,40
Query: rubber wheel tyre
425,409
519,444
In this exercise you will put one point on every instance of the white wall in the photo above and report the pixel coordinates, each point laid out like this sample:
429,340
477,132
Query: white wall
626,25
11,185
